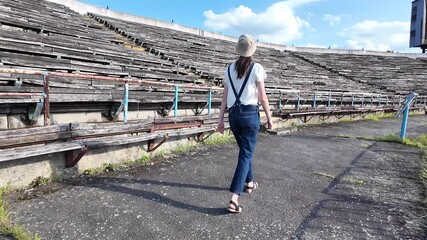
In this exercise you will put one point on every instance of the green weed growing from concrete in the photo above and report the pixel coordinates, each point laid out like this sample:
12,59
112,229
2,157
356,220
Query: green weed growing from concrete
6,228
185,148
353,181
144,159
162,153
377,117
420,141
40,181
345,180
219,139
326,175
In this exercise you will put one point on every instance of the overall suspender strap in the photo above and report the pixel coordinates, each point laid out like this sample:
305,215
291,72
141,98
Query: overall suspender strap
244,83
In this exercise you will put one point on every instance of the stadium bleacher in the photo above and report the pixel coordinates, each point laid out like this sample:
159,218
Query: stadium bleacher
47,37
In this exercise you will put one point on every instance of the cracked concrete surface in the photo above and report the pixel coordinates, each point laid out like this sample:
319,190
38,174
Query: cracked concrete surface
373,193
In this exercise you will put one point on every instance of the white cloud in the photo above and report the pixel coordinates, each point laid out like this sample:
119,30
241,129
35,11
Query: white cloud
277,24
380,36
331,19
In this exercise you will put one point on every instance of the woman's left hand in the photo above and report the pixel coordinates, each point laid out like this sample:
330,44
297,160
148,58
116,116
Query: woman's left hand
220,127
269,124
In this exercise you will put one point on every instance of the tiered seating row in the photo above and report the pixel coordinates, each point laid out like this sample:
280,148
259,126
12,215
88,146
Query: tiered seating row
210,56
400,75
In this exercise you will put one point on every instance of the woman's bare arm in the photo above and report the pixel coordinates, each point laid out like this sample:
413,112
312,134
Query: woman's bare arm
263,99
220,126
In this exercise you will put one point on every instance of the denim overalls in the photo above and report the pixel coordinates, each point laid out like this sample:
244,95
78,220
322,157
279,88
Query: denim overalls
244,123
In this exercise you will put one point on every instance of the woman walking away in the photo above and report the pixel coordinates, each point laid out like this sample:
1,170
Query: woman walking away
243,89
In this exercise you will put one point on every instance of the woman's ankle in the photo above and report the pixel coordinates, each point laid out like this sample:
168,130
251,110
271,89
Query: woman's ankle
235,197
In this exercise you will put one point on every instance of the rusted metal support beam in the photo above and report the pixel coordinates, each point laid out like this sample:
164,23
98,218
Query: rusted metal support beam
151,145
201,136
307,118
46,99
72,160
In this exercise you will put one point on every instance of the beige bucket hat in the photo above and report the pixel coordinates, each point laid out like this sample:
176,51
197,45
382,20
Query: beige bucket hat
246,46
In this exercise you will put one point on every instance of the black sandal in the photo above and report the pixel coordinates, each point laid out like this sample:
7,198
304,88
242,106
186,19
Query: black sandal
250,189
236,208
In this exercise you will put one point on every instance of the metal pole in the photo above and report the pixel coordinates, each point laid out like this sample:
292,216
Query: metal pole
363,101
280,101
404,122
379,100
352,100
329,100
175,104
314,100
298,103
46,99
126,103
209,101
372,100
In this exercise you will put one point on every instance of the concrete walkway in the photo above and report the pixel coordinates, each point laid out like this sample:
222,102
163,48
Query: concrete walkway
313,184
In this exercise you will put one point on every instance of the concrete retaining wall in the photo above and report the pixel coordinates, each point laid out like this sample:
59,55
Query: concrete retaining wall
20,173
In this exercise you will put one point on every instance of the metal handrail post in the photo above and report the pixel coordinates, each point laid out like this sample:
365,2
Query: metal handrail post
175,104
126,102
209,101
314,100
404,122
363,101
46,98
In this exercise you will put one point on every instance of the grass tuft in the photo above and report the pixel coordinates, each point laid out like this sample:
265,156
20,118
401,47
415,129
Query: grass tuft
144,159
162,153
420,141
377,117
220,139
353,181
6,228
185,148
326,175
40,181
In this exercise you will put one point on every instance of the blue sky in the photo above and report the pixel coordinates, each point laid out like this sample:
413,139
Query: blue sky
350,24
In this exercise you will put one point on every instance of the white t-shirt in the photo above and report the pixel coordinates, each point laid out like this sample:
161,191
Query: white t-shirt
250,93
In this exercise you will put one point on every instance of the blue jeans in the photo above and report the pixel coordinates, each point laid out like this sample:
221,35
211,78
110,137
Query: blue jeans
244,123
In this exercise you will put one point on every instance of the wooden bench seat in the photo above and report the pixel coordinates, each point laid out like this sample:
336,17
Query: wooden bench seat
38,150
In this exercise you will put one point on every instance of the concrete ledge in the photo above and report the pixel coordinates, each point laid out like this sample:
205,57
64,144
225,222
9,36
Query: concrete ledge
21,172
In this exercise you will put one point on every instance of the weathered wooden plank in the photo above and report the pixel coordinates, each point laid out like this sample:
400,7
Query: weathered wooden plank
32,151
34,135
185,119
98,129
121,140
124,140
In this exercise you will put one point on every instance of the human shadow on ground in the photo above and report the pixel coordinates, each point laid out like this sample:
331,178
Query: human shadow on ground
116,185
345,214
